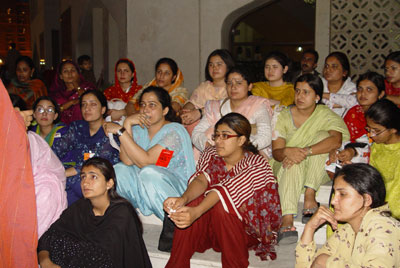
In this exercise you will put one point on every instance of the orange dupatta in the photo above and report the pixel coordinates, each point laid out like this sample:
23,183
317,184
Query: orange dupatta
18,224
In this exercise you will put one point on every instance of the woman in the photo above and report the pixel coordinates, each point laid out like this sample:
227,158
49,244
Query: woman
231,203
84,139
370,88
276,65
25,84
66,89
392,73
125,87
46,114
219,62
102,230
383,126
156,153
303,136
169,77
370,237
339,91
256,109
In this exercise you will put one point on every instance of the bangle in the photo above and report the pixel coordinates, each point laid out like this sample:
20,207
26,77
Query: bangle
120,131
201,113
309,150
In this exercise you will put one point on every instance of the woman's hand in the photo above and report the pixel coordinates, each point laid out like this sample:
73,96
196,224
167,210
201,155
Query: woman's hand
322,215
295,155
190,116
346,155
185,216
116,115
176,107
48,264
72,86
333,154
137,119
171,204
320,261
68,104
110,127
27,115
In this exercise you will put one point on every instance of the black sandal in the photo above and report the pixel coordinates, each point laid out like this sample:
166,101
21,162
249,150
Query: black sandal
308,213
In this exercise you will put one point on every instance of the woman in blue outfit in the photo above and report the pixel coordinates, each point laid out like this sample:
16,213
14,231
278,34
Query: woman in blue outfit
156,153
84,139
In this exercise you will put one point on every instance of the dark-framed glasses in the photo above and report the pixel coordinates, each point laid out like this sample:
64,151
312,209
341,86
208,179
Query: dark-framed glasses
222,136
373,133
48,110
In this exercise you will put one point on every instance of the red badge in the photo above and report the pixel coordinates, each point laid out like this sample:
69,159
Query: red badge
164,158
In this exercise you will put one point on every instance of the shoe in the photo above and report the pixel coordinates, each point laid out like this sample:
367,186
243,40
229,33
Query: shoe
308,213
167,235
287,235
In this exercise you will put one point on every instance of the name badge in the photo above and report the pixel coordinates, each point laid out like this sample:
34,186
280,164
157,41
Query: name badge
57,135
164,158
88,155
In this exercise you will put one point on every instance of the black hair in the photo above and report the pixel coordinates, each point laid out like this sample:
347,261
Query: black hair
385,113
107,169
377,79
244,72
130,65
394,56
365,179
344,61
28,61
225,56
241,126
171,63
99,95
83,58
60,67
314,81
55,104
313,52
18,102
165,99
282,59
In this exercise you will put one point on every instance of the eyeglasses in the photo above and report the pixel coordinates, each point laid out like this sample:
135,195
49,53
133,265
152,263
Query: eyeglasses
48,110
373,133
223,137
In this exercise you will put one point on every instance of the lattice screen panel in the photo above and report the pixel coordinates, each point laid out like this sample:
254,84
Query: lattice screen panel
366,30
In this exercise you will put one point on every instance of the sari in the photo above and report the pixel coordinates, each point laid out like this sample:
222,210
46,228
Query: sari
29,92
311,171
18,224
284,93
147,188
386,159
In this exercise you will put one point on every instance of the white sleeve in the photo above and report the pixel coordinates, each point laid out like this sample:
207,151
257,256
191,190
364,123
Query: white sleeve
199,137
263,122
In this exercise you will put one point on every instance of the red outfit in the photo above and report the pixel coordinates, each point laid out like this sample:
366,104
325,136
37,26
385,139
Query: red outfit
116,92
248,216
391,90
356,122
18,222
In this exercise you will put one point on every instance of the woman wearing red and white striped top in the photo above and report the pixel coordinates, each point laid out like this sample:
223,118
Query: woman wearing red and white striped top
231,203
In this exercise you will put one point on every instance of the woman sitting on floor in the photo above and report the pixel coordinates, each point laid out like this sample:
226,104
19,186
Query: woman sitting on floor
157,157
392,73
370,237
84,139
102,230
256,109
303,136
231,203
383,126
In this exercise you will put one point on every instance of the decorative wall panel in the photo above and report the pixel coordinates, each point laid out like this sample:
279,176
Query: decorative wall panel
366,31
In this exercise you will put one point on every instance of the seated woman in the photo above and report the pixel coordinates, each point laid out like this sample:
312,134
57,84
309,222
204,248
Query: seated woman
125,87
370,88
339,91
169,77
303,136
276,65
25,84
84,139
101,230
66,89
231,203
370,237
392,73
47,116
156,153
219,62
256,109
383,126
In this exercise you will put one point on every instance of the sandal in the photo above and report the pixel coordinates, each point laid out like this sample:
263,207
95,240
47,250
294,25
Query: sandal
287,235
308,213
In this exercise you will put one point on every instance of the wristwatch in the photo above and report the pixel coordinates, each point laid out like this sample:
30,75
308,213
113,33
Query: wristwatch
120,131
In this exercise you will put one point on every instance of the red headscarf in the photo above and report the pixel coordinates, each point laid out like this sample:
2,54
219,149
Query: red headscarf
116,92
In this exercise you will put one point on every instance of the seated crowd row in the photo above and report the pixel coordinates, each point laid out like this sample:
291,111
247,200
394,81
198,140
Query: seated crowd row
247,139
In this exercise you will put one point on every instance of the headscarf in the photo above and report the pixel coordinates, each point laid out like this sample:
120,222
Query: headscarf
177,83
116,91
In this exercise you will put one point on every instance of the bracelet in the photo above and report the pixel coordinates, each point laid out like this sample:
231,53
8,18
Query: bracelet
309,150
120,131
201,113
